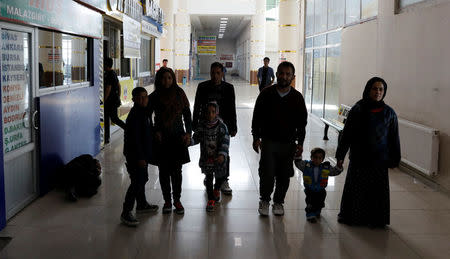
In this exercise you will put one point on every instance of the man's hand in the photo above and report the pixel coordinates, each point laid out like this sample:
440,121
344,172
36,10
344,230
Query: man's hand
142,163
187,139
220,159
298,151
340,164
233,133
256,145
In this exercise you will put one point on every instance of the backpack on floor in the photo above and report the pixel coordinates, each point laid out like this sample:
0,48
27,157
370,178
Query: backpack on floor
82,177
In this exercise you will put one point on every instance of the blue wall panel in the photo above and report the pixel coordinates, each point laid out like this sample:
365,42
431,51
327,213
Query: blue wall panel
69,127
2,175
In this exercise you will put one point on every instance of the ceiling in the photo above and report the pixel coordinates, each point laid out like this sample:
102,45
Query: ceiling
209,25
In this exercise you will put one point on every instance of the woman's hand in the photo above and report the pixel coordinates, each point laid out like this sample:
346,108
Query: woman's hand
220,159
256,145
187,139
141,163
158,136
340,164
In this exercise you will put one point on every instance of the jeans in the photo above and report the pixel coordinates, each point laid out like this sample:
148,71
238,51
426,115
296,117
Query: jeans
275,168
111,114
170,173
315,201
136,190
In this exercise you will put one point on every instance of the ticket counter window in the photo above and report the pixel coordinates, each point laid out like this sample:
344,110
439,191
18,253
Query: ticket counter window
62,59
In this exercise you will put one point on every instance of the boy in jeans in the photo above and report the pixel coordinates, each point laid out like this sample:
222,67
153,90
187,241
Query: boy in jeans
137,151
212,134
315,180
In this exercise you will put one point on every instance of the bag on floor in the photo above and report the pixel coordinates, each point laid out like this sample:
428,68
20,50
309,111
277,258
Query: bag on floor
82,177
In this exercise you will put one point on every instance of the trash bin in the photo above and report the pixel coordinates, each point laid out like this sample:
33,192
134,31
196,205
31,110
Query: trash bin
184,80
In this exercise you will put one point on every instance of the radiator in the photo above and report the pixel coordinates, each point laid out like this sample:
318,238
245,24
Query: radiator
420,147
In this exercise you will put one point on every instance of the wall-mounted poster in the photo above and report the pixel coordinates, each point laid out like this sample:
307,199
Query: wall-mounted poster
206,45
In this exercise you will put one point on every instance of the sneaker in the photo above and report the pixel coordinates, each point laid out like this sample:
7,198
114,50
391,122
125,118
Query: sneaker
128,219
210,205
217,195
311,217
264,208
179,209
167,208
225,188
278,209
147,208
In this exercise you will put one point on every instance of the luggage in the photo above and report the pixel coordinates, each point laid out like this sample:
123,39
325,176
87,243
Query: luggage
81,177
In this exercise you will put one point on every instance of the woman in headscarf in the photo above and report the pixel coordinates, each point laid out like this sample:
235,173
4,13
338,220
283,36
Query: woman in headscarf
371,134
173,128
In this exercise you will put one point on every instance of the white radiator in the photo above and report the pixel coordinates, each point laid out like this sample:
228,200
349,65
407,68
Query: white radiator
420,147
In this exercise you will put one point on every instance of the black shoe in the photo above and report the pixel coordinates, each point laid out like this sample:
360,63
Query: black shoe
312,220
128,219
167,208
147,208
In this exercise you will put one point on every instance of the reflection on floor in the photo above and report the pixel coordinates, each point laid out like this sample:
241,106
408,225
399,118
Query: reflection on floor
90,228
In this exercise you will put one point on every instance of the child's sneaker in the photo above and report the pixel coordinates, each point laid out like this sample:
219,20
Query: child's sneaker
167,208
179,209
263,208
210,205
216,195
147,208
128,219
225,188
278,209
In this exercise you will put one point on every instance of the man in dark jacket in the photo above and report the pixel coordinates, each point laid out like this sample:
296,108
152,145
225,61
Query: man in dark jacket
216,90
278,128
112,98
265,75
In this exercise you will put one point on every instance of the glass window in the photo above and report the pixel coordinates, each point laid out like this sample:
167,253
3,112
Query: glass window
334,38
145,60
320,17
369,8
404,3
336,10
308,43
62,59
320,41
124,62
309,29
353,11
308,78
332,83
318,82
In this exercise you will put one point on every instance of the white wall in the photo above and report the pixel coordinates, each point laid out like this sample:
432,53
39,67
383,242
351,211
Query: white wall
272,43
411,51
243,53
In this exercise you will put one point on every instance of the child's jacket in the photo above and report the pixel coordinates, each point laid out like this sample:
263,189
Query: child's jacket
310,180
213,141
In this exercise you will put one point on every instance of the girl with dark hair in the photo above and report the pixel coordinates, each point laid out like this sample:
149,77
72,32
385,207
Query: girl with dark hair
172,134
371,134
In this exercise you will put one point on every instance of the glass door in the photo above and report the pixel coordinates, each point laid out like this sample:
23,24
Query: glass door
308,79
18,116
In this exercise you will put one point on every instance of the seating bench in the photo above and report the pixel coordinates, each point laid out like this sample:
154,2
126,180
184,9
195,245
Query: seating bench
338,124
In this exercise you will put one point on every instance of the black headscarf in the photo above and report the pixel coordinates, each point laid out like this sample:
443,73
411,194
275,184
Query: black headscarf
366,102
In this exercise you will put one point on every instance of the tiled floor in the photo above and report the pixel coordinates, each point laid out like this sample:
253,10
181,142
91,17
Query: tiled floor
90,228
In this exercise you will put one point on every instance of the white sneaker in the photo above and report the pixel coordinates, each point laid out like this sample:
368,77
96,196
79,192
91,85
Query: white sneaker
278,209
225,188
264,208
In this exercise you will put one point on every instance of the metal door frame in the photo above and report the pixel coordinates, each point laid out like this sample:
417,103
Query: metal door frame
34,64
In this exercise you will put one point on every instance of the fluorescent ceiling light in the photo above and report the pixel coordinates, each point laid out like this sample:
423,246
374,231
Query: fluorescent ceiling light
223,22
222,26
224,19
220,34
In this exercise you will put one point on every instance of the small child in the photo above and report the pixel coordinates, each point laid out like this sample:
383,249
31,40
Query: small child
315,180
137,151
212,134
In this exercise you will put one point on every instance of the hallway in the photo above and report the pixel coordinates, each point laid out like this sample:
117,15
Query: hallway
90,228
